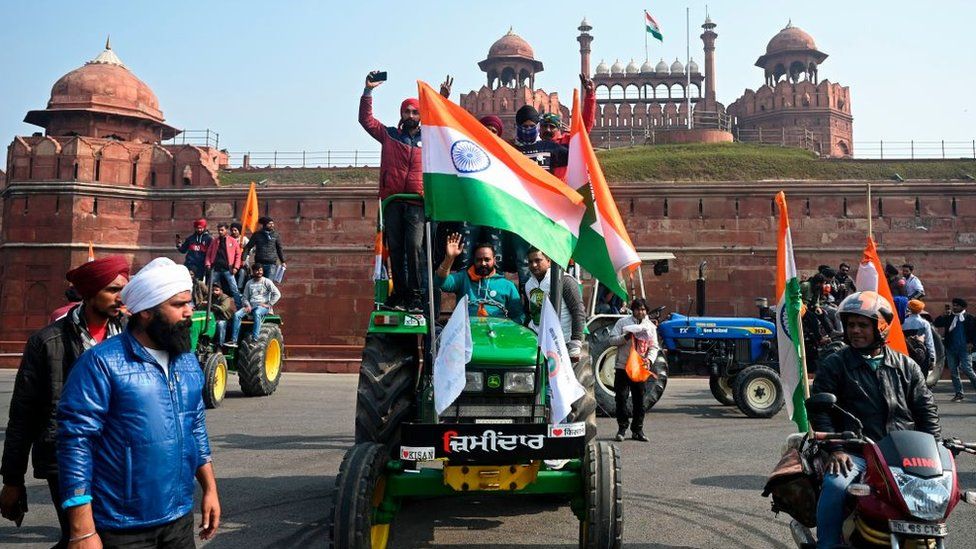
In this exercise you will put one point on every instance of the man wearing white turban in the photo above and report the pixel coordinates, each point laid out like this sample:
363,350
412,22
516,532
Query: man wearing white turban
131,426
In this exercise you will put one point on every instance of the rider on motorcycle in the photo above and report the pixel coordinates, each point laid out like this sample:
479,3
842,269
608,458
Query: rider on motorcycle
884,389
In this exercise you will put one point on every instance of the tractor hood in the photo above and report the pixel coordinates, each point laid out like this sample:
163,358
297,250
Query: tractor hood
680,326
499,341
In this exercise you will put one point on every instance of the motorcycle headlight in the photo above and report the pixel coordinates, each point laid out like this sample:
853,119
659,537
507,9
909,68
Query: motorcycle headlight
474,382
927,498
520,382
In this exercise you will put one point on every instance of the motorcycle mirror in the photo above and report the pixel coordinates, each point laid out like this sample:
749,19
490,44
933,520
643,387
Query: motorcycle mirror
821,402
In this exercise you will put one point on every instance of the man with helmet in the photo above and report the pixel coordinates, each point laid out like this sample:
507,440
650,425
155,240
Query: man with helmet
883,388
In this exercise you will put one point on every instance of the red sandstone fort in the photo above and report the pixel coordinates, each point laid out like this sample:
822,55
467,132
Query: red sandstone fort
99,172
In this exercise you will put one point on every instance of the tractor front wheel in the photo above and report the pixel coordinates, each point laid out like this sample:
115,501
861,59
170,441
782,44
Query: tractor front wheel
602,526
721,388
758,391
385,396
259,362
214,380
358,492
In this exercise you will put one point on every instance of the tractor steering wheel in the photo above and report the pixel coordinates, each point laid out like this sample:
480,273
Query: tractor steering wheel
492,302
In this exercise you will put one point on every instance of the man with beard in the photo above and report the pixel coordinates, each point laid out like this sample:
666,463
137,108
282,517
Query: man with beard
489,293
267,248
131,426
195,247
572,313
48,357
845,284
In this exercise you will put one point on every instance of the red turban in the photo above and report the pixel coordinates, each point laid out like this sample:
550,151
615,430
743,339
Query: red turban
200,223
410,102
90,278
492,121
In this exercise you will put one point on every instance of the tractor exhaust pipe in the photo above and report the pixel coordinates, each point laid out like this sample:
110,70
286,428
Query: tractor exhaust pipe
700,289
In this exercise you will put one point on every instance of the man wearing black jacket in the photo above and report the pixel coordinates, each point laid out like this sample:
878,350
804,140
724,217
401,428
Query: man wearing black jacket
47,359
267,248
959,329
884,389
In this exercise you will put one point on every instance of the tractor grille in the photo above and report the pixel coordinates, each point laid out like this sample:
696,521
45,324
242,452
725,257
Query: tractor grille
469,408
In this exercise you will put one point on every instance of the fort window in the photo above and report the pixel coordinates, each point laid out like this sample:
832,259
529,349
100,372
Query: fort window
330,210
363,209
880,207
152,178
172,210
57,205
602,93
677,91
617,92
954,206
918,207
98,169
135,172
132,209
806,208
845,207
74,173
26,204
95,206
203,209
665,207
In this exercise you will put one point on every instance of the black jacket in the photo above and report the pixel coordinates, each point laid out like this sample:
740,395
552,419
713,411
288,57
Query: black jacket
267,246
894,398
968,325
48,356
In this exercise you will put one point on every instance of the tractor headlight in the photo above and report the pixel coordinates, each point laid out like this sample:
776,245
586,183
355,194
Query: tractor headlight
474,382
520,382
926,498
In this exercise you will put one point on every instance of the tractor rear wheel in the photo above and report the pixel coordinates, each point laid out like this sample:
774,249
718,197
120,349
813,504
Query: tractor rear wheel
721,388
385,396
214,380
584,409
259,361
758,391
602,526
359,489
605,370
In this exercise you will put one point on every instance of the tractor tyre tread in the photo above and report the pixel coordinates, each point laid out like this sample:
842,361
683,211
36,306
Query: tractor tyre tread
210,367
251,373
743,378
584,409
350,520
603,523
385,395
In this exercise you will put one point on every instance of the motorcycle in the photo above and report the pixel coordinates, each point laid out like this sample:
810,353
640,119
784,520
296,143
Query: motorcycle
909,487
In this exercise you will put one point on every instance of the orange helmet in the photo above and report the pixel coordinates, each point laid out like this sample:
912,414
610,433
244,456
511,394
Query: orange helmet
871,305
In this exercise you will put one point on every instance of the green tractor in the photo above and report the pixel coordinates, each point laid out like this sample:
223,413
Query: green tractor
495,437
257,361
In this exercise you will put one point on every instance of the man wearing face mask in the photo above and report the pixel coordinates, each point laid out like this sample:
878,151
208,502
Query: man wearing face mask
487,290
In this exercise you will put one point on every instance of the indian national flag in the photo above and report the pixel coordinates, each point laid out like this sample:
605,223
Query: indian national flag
471,175
870,276
652,26
604,248
789,329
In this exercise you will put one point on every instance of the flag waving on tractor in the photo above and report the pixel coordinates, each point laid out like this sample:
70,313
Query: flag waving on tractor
870,276
249,217
472,175
604,248
789,327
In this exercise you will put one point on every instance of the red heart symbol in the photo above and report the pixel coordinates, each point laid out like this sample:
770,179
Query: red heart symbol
557,432
405,453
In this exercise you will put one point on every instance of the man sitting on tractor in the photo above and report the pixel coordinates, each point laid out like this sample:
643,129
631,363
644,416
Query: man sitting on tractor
222,308
884,389
260,294
572,314
489,293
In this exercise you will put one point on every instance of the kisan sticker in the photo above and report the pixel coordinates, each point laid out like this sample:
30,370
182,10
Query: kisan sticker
414,320
567,430
417,453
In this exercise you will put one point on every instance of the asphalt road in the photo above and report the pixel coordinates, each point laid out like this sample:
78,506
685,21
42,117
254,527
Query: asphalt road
696,484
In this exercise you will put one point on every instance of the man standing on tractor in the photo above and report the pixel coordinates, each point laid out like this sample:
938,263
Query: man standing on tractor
638,331
48,357
131,427
882,388
260,294
572,313
195,248
223,260
267,248
489,293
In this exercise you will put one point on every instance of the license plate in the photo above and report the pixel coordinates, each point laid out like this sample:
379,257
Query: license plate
938,530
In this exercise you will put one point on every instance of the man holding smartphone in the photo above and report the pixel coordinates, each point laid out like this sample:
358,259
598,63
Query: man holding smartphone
400,172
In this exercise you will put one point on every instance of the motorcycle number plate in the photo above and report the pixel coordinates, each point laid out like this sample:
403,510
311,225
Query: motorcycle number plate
918,528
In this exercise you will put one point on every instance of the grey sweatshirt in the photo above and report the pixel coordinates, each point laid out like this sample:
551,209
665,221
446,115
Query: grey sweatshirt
257,292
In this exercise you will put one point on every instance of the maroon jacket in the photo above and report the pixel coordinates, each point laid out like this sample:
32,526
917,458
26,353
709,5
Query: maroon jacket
400,167
233,248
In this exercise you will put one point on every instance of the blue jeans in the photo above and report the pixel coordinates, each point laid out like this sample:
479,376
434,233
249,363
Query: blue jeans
259,314
830,508
269,270
229,284
220,331
959,358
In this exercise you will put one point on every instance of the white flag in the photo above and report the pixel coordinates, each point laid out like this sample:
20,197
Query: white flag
453,354
564,388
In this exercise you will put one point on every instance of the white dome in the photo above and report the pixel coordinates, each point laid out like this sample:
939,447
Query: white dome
662,67
647,67
632,67
677,67
616,68
692,67
602,68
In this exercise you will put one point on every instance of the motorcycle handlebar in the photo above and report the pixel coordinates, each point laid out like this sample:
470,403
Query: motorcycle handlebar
956,446
846,435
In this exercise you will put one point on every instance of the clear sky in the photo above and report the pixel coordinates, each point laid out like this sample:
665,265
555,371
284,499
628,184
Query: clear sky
288,75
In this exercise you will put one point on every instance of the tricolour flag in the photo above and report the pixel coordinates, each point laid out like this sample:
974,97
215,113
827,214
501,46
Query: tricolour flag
379,254
604,247
453,354
652,26
470,174
870,276
789,327
249,217
564,388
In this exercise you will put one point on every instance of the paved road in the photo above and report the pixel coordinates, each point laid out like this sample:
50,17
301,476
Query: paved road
696,484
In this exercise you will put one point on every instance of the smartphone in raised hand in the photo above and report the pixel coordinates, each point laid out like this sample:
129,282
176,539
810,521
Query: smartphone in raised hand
379,76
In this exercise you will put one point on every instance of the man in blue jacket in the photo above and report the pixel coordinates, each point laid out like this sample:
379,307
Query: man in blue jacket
489,293
131,426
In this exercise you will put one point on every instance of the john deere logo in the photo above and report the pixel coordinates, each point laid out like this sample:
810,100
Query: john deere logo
494,381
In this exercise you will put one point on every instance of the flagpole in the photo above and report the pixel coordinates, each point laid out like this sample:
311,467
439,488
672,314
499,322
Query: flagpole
688,62
647,57
870,217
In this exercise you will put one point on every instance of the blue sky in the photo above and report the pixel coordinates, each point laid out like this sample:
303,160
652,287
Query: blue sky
289,77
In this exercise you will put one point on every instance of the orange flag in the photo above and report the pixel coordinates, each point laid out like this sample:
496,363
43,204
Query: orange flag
635,368
249,217
870,276
91,251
